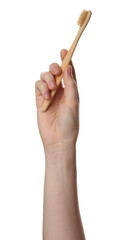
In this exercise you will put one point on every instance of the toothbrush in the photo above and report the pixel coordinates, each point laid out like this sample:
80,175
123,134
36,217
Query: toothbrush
82,22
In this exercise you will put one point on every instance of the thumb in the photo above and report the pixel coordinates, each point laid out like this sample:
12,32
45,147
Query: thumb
70,90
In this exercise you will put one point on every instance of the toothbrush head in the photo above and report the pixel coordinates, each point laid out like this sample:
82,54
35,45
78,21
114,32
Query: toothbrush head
83,17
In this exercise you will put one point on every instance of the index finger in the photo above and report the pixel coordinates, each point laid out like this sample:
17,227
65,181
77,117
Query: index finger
63,53
55,69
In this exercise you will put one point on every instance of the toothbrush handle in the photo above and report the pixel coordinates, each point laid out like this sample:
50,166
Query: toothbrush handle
58,80
66,61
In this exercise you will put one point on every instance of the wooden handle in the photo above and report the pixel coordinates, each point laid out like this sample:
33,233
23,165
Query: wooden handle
66,61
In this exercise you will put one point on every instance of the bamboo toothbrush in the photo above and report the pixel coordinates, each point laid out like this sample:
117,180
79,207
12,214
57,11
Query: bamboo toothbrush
82,22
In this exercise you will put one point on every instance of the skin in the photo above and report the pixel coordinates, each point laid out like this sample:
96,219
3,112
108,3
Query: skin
59,128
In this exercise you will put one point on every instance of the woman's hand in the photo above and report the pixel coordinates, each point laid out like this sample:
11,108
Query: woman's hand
59,127
60,123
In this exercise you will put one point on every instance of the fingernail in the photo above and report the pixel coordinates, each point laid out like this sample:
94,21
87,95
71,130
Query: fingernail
52,84
47,95
69,70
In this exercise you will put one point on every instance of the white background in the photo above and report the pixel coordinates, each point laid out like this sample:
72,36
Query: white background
32,33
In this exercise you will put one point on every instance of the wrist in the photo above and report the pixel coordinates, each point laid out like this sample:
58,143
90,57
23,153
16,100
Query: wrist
59,153
60,166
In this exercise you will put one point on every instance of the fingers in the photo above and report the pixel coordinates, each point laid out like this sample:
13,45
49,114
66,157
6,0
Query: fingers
70,91
42,89
63,53
49,79
47,82
55,69
71,94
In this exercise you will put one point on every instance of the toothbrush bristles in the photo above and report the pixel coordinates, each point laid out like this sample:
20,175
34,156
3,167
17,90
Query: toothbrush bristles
82,17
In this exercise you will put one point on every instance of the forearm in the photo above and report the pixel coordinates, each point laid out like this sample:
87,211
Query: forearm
61,219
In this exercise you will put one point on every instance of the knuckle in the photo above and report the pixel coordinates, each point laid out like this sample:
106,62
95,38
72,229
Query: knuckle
49,77
55,68
44,86
42,75
53,65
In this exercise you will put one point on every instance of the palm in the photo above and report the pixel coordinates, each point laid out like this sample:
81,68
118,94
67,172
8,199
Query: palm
58,121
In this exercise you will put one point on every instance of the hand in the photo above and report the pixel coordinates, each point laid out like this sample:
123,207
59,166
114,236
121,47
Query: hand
60,123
